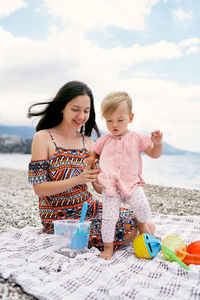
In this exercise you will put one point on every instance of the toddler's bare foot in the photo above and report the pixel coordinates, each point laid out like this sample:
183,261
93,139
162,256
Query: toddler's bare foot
107,252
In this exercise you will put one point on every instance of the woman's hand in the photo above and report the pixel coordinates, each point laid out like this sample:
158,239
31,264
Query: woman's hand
88,175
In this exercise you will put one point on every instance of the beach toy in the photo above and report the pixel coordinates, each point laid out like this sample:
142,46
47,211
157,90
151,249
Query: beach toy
71,236
192,253
173,249
169,254
146,246
175,243
80,235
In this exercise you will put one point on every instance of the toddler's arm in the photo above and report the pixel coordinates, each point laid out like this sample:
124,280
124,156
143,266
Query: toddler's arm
155,150
97,187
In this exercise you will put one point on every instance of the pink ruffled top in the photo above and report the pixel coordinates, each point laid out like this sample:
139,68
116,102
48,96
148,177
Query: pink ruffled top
120,161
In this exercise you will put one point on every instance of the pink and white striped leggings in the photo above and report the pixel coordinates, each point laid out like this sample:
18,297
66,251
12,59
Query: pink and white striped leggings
111,205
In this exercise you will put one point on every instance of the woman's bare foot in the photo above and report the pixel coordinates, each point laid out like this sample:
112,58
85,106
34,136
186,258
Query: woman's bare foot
129,238
107,252
147,227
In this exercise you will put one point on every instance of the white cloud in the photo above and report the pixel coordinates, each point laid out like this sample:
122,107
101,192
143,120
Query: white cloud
193,49
31,59
9,6
191,45
189,42
143,74
181,15
35,70
98,14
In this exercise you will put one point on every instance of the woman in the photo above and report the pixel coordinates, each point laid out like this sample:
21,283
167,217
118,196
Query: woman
58,170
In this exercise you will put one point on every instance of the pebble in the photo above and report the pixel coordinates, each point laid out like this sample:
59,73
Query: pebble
19,208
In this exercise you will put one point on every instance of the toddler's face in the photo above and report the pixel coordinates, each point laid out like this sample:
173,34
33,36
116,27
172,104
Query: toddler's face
117,122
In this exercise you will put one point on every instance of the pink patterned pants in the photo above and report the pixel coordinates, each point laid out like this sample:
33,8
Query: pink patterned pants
111,205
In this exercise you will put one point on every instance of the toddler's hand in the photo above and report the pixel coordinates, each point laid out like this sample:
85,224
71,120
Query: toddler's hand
91,162
156,137
142,182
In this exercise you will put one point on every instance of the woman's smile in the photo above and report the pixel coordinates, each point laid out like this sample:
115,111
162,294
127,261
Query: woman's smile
78,123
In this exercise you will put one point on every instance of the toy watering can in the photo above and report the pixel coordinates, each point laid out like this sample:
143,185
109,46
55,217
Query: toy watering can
146,246
192,255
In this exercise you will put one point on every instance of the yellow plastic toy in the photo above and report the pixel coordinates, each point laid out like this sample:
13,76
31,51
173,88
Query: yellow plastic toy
146,246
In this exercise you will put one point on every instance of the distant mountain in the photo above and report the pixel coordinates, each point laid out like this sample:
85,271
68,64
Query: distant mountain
168,149
27,132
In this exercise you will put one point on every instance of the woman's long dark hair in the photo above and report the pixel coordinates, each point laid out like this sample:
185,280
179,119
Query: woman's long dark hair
52,113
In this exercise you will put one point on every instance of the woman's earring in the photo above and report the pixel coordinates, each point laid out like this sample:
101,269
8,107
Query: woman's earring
83,129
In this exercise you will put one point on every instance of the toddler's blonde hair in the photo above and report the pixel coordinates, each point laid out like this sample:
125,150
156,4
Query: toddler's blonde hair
112,101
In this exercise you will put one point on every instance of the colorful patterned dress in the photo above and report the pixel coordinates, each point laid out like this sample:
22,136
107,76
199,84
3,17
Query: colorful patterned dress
64,164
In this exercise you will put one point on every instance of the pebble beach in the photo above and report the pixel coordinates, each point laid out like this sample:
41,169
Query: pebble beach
19,208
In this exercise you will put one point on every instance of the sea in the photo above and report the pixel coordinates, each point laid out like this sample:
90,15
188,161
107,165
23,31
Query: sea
182,171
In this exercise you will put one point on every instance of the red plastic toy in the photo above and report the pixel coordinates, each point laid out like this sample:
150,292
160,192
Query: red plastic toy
192,253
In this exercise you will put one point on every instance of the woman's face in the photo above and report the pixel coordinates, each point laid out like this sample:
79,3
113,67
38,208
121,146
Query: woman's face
77,111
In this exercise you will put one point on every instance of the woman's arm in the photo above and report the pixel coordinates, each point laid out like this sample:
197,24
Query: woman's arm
40,151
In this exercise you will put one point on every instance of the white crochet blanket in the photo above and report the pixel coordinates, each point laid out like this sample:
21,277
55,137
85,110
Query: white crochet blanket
28,259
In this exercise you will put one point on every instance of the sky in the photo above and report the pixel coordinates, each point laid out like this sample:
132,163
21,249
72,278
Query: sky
148,48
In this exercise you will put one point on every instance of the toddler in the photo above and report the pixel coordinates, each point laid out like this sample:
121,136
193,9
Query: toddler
119,154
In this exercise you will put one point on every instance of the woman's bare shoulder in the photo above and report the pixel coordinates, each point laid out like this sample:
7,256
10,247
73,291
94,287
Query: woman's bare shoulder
40,145
41,136
41,133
